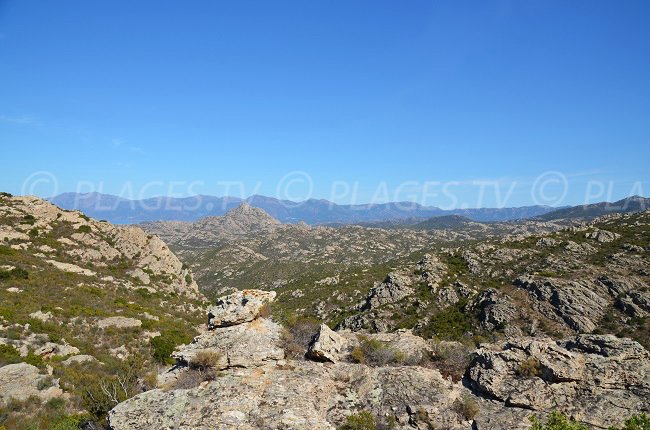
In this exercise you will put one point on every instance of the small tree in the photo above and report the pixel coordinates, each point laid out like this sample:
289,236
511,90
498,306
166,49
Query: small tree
557,421
361,421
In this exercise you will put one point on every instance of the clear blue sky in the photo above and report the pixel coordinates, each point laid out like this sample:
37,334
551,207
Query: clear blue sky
116,94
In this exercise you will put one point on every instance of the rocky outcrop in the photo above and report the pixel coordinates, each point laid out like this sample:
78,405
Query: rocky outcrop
596,379
119,322
495,310
246,345
326,346
393,289
239,307
259,389
602,236
21,381
87,242
578,304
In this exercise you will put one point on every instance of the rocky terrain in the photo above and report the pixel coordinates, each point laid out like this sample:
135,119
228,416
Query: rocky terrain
391,380
83,304
459,325
249,247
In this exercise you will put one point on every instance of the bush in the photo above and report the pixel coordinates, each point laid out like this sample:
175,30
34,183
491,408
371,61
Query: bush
529,368
451,359
164,345
67,423
556,421
15,273
361,421
637,422
298,333
7,250
8,355
84,229
451,323
466,407
376,353
204,360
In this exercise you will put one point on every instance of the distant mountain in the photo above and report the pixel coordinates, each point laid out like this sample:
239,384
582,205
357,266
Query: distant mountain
627,205
123,211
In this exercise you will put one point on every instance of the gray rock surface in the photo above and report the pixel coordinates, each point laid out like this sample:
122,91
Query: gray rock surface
495,311
393,289
239,307
596,379
579,304
326,346
21,381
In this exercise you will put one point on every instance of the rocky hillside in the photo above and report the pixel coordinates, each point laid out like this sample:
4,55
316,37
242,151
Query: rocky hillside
85,308
627,205
247,372
591,278
247,247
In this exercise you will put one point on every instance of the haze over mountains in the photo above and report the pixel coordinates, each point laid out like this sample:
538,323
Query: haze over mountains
124,211
119,210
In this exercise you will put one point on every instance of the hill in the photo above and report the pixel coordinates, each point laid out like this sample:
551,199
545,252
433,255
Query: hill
627,205
86,308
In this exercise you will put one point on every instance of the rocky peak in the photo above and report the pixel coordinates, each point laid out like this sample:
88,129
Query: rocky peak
245,213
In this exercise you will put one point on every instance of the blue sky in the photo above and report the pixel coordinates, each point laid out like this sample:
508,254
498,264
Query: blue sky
393,98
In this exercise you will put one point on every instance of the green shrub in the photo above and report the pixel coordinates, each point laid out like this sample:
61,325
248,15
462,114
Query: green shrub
9,355
15,273
7,250
166,343
84,229
361,421
529,368
466,407
637,422
67,423
29,219
449,324
188,278
376,353
557,421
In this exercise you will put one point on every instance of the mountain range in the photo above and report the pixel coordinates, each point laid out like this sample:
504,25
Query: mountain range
124,211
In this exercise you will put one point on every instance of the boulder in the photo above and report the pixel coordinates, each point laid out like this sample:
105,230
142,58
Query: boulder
239,307
21,381
79,359
326,346
250,344
119,322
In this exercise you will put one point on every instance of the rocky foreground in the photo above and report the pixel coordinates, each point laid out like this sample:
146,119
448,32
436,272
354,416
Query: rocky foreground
244,373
